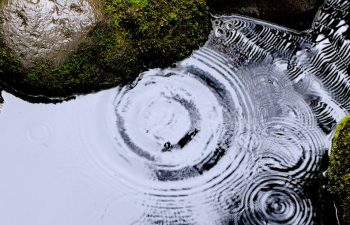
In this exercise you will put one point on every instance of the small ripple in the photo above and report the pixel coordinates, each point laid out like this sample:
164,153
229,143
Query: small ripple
187,141
273,199
38,133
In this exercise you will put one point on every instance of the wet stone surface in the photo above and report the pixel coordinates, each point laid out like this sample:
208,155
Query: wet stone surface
64,51
234,134
46,29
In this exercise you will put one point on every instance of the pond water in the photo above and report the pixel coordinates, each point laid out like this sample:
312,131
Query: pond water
233,134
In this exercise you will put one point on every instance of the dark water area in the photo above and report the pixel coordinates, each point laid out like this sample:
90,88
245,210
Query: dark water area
296,14
235,134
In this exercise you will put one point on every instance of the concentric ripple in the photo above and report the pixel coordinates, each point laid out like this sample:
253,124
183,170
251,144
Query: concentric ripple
185,125
188,140
273,199
234,134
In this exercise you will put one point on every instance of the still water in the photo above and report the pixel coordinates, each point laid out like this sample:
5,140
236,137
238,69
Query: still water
233,134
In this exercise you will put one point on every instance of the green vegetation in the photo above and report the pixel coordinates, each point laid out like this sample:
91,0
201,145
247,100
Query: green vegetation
9,64
3,2
134,35
163,31
339,169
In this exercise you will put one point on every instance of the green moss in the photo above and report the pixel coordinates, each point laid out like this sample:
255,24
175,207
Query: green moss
10,66
9,63
135,35
163,31
3,2
339,169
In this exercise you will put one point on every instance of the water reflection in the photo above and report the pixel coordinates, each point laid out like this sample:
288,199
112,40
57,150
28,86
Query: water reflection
233,135
256,143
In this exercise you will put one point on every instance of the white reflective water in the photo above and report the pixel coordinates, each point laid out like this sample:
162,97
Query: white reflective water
232,135
241,146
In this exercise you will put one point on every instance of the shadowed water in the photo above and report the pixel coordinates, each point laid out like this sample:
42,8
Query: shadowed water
232,135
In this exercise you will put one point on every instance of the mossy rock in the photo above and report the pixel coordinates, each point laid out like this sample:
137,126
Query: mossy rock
133,36
339,169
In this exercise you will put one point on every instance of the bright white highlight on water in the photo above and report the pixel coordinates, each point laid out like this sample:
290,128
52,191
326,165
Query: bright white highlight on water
102,155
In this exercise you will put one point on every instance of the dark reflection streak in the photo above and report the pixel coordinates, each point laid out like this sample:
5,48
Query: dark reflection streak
218,154
187,138
36,99
1,98
182,142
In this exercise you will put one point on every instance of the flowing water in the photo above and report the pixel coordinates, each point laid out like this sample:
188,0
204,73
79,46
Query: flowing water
234,134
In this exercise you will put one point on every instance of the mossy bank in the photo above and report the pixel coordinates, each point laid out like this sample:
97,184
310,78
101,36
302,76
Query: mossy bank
339,170
128,37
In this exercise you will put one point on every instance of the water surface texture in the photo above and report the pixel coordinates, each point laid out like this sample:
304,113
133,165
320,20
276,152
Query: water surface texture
232,135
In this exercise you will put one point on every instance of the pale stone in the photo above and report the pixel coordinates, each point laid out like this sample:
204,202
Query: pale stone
47,29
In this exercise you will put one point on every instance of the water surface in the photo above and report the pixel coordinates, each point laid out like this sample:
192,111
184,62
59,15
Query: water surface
234,134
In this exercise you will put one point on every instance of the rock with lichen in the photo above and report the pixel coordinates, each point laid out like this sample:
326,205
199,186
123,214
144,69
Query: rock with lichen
61,47
58,48
339,170
38,30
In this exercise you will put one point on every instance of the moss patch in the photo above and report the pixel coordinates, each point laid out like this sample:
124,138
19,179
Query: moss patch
134,35
9,64
339,169
163,31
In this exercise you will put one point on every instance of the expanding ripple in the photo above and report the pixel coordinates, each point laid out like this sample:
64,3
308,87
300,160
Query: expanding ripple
194,140
232,135
273,199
